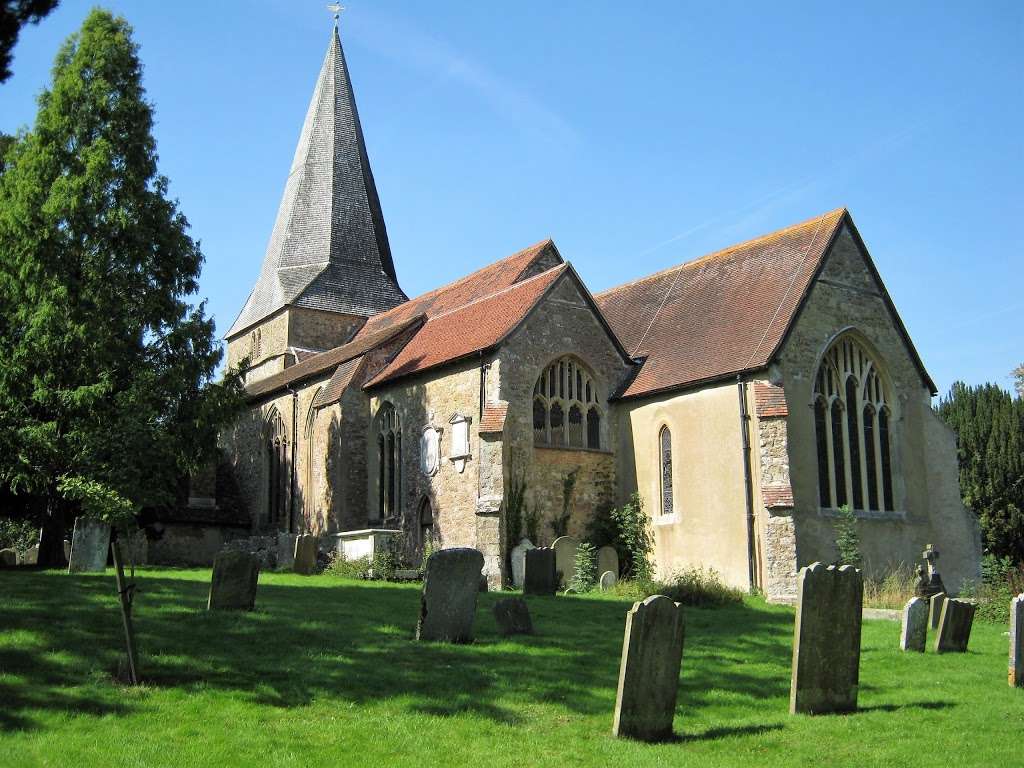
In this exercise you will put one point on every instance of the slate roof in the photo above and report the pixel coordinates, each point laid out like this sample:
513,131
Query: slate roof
329,248
722,314
340,379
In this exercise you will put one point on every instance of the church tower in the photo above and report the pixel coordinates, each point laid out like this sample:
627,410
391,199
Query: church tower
328,265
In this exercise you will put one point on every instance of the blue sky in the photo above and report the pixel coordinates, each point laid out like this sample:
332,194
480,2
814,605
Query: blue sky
637,136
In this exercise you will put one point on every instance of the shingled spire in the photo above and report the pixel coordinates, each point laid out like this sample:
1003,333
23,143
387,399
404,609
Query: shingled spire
329,248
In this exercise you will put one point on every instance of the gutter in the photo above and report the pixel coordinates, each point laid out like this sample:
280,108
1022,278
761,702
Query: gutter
748,484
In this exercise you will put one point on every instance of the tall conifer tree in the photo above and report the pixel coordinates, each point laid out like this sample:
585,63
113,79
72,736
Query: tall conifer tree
105,364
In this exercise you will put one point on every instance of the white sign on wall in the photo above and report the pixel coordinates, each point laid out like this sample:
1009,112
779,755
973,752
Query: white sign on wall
460,441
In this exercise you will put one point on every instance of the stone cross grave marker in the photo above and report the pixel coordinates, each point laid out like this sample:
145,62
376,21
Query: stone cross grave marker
955,626
935,609
513,617
518,558
539,574
233,585
565,558
652,652
305,554
915,625
929,583
89,546
608,560
826,640
608,580
451,584
1016,676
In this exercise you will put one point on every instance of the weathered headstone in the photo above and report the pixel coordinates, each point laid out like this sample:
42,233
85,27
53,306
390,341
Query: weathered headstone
451,583
518,558
31,556
955,626
304,561
284,556
608,580
482,584
826,640
608,560
935,609
233,586
89,546
652,652
513,617
915,625
67,550
1016,676
565,558
8,557
539,574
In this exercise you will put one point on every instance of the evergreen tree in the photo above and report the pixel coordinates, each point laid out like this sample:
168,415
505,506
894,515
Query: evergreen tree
990,426
105,366
14,14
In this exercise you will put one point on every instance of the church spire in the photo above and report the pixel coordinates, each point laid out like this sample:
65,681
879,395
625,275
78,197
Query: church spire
329,248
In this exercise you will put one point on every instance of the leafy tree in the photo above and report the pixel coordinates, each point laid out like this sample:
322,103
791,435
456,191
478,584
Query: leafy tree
990,426
14,14
105,366
847,537
1018,379
585,562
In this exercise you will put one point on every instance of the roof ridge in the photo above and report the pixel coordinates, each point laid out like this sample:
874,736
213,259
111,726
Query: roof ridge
563,266
723,252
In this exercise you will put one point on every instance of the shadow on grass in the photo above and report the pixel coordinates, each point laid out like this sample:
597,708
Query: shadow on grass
353,642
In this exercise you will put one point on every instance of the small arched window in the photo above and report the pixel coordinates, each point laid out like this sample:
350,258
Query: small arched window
852,415
310,476
389,456
566,410
665,464
275,441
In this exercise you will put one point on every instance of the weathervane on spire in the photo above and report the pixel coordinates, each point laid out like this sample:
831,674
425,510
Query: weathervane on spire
336,9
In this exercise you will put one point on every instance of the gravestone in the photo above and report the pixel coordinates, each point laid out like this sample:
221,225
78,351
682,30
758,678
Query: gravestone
89,546
233,586
31,556
513,617
67,550
608,560
451,583
652,652
539,575
608,580
826,640
955,626
304,561
932,583
565,559
518,558
482,584
915,625
8,557
935,609
284,554
1016,676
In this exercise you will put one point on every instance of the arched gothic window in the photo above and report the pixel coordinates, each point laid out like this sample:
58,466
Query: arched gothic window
566,412
275,441
665,463
426,522
310,475
389,462
852,415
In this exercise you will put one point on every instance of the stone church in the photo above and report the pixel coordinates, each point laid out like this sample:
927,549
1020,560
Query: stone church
745,396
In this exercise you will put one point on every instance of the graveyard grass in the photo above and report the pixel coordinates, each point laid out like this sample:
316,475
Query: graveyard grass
325,673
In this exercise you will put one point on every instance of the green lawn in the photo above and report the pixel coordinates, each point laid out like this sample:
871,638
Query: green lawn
325,673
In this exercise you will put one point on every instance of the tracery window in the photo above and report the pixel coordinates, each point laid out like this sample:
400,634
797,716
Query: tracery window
852,417
665,463
275,441
389,462
566,412
310,475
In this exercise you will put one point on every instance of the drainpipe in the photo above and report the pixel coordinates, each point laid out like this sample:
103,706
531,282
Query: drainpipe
748,484
291,479
484,368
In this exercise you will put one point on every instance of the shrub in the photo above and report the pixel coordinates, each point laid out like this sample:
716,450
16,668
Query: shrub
847,537
531,520
514,508
384,564
697,587
893,589
586,567
339,565
1001,581
560,525
20,535
430,546
634,538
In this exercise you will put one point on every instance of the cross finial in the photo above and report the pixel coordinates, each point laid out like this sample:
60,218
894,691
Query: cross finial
336,9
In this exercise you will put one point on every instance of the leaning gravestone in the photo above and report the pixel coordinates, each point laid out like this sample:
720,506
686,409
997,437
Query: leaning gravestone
608,560
451,583
935,609
565,558
513,617
826,640
652,651
8,557
915,625
608,580
955,626
89,546
539,575
305,554
1016,676
518,558
233,586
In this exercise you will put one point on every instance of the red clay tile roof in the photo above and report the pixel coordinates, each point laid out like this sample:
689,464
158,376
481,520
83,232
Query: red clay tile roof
722,314
470,328
493,418
769,400
339,382
484,282
777,496
325,361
